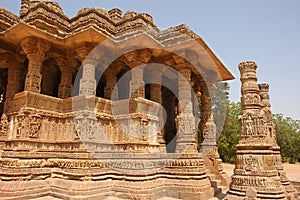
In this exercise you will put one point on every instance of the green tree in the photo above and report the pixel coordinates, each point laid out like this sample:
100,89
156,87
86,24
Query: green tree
288,137
230,135
220,100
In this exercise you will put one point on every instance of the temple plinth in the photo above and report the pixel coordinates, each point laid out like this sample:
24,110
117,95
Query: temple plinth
106,105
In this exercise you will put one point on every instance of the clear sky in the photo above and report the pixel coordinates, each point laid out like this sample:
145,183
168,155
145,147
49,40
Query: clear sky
265,31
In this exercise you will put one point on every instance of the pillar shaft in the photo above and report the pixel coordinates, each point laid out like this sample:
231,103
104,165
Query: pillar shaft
156,95
88,81
35,50
14,78
111,89
255,175
137,85
65,86
208,126
290,191
186,138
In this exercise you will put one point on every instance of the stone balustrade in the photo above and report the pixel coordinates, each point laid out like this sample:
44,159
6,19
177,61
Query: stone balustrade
130,124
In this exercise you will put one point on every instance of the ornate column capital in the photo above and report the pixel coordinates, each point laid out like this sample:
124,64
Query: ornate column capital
66,64
13,59
35,48
87,56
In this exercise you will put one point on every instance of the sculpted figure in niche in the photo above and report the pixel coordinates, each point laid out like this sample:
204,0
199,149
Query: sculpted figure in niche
249,126
4,125
20,124
35,125
144,131
91,129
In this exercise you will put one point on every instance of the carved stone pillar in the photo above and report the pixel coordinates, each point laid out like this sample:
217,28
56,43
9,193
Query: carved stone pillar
15,73
35,50
88,81
156,95
290,191
255,175
186,138
208,127
65,86
137,88
15,77
111,89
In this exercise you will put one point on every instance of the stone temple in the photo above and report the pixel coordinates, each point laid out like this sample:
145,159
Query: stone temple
105,105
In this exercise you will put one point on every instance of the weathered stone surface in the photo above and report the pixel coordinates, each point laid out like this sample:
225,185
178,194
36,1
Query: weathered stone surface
258,168
68,134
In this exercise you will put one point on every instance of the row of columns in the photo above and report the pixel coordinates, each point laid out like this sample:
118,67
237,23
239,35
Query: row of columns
36,50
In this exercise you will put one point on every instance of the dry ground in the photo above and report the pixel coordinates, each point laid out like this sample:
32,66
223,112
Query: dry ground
292,170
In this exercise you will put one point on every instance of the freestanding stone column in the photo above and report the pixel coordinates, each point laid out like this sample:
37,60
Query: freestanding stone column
137,85
186,132
111,89
255,175
290,191
88,81
65,86
35,50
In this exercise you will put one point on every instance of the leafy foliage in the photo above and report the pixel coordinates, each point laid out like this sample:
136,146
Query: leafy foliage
220,100
226,119
288,129
288,137
230,134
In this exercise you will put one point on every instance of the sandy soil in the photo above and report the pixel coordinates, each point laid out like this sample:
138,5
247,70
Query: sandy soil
292,170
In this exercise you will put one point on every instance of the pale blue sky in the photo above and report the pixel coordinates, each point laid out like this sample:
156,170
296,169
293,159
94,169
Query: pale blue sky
266,31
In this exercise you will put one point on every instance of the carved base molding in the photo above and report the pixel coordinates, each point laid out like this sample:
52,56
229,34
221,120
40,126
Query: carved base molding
63,189
124,178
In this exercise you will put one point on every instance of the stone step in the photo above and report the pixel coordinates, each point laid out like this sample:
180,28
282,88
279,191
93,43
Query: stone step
221,196
215,183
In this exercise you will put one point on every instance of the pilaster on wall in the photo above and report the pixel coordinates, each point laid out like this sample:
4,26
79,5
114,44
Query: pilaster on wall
35,50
